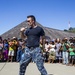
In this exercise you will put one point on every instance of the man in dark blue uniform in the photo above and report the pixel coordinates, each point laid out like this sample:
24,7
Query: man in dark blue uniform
32,50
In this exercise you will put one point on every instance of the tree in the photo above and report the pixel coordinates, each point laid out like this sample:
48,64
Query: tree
65,30
70,28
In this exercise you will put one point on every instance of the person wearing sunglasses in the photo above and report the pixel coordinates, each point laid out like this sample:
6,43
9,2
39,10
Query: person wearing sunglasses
33,51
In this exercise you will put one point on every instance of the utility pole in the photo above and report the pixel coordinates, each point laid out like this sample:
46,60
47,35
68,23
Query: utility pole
69,25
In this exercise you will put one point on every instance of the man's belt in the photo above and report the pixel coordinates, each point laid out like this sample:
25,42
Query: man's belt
32,47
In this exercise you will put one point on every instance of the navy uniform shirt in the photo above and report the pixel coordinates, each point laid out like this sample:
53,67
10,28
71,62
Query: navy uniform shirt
33,36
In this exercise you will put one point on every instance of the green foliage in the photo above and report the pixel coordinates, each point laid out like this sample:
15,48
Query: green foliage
65,30
71,29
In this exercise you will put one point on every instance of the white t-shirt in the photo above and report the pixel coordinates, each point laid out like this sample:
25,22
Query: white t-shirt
52,47
46,47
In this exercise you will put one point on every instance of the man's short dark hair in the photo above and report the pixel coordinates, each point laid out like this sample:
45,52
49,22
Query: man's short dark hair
32,16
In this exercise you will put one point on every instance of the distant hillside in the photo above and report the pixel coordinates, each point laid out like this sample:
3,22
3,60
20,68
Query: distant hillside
52,33
59,33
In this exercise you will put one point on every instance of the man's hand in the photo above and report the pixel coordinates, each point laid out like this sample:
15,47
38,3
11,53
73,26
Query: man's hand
22,33
22,29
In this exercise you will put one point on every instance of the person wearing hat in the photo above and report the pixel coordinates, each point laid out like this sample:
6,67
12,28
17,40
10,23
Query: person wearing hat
65,51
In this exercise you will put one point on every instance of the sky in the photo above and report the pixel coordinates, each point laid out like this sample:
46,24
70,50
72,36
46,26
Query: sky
50,13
